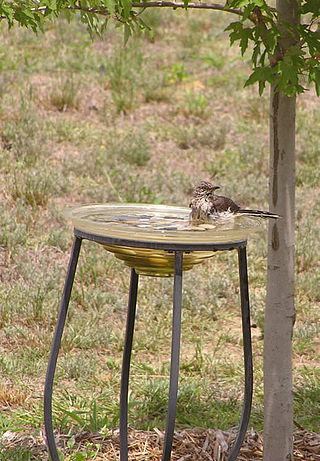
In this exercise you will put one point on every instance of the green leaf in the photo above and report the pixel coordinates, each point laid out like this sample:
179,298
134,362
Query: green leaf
262,58
288,72
144,26
262,86
254,77
314,76
311,6
270,37
245,35
111,5
247,11
127,33
261,75
237,28
238,3
126,5
7,12
256,53
312,40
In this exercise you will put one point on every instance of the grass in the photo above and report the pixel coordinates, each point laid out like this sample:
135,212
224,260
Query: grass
84,122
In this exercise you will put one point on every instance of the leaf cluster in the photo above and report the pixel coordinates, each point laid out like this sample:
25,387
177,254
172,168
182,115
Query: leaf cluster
22,12
281,53
94,13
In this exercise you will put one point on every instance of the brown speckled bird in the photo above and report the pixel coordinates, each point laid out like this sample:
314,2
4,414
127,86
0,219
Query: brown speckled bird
206,206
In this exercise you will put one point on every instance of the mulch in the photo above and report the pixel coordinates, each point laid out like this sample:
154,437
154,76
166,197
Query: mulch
195,444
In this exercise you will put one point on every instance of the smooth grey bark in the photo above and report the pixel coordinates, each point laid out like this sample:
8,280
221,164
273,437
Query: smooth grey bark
280,309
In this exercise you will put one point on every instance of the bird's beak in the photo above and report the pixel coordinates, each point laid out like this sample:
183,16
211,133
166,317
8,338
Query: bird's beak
216,187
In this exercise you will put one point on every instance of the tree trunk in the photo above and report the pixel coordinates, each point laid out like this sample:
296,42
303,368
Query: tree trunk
280,311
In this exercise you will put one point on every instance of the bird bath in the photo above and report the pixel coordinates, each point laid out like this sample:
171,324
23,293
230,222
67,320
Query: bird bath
155,240
157,224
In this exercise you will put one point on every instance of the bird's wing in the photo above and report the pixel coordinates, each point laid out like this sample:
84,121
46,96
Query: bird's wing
222,204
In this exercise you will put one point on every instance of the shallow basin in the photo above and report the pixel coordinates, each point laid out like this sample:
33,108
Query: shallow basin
157,225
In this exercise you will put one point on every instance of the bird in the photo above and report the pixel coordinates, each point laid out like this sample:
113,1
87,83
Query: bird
206,206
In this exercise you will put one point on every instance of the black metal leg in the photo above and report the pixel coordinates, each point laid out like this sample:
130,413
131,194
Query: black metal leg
247,349
55,349
175,355
126,366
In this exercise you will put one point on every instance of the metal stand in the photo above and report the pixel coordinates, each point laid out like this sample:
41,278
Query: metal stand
55,348
175,347
175,355
247,352
124,387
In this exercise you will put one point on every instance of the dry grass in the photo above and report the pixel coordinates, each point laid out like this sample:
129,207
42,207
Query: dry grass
195,444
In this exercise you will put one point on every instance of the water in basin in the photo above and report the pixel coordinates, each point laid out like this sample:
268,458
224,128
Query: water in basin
156,224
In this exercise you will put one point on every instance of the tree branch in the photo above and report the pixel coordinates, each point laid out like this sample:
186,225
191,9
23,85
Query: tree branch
174,5
151,4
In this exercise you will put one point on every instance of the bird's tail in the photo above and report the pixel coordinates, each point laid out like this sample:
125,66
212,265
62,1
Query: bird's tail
259,213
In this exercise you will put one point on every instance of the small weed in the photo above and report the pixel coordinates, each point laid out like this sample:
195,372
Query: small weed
138,192
64,94
90,451
92,416
177,73
197,362
11,395
13,232
194,136
79,335
258,314
32,186
219,81
124,70
76,367
306,257
25,139
308,172
220,167
307,397
67,130
157,89
135,149
213,60
58,238
303,336
195,104
15,454
220,136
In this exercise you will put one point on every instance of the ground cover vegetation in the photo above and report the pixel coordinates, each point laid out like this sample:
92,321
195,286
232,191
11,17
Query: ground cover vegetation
84,122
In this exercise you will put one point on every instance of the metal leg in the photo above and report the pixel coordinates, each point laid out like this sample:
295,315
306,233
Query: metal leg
175,354
247,349
126,366
55,349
